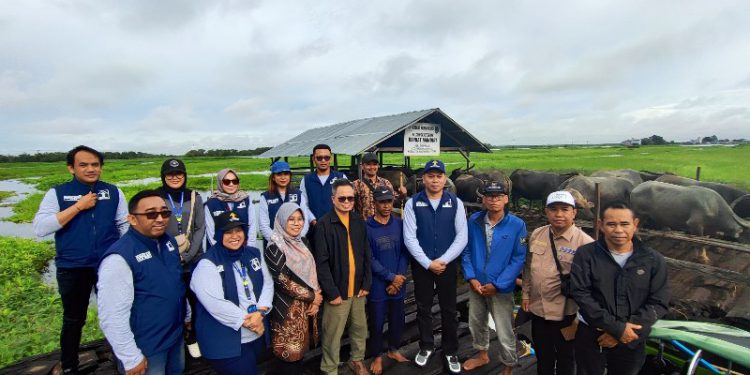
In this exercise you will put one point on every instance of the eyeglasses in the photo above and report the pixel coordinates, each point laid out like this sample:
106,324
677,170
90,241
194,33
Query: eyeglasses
494,197
345,199
322,158
178,176
152,215
227,181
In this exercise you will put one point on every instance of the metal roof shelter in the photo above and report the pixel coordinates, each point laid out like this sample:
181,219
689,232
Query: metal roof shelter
382,134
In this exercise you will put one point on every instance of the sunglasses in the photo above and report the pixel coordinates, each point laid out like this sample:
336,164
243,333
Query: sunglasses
345,199
153,215
227,181
322,158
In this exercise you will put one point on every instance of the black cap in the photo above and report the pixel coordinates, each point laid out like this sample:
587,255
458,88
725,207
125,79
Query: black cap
173,166
369,158
493,188
228,220
382,193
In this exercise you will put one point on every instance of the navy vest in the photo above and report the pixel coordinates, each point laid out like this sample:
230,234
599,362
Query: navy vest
82,241
216,340
217,207
436,229
319,196
274,201
158,312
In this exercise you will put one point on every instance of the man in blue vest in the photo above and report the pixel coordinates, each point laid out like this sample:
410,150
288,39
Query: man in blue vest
316,186
435,234
141,297
492,260
87,216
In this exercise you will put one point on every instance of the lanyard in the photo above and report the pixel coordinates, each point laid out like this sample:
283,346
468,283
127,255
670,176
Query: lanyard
245,279
177,212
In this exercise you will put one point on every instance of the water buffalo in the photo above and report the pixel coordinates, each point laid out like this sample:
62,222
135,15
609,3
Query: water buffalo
741,206
610,188
628,174
728,192
469,184
534,185
692,209
650,176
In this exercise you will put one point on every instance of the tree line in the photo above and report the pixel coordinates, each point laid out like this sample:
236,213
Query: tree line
60,156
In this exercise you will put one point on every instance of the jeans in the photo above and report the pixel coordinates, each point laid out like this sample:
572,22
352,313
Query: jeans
74,285
500,306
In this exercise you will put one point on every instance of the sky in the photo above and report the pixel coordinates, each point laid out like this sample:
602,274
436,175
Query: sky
168,76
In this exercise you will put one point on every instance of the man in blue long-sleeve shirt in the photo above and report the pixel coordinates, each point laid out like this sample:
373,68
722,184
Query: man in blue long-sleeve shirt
390,260
493,258
435,234
87,216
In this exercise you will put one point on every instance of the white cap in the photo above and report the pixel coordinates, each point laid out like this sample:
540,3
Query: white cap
561,196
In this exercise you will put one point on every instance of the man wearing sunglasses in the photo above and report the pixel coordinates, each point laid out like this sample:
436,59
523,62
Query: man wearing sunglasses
435,234
141,297
316,186
343,260
87,216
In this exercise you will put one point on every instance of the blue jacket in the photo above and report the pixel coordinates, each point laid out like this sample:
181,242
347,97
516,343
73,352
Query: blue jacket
218,341
82,241
507,252
389,257
158,311
274,201
217,207
319,196
436,229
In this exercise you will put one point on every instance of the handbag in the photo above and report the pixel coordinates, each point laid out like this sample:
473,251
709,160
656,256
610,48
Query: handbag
564,278
183,242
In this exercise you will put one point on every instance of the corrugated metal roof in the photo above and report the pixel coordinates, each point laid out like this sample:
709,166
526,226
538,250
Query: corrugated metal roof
357,136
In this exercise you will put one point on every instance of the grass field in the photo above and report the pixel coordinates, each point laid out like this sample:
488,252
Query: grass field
30,312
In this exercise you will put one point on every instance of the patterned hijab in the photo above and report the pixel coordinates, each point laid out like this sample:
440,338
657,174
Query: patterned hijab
298,257
219,194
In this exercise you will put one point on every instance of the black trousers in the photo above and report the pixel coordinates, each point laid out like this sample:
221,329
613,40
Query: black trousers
74,285
192,300
426,283
551,347
591,359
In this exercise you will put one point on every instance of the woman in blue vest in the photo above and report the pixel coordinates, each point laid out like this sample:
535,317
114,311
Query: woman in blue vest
235,292
229,197
297,296
280,191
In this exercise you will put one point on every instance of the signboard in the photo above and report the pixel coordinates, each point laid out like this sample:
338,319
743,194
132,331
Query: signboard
422,139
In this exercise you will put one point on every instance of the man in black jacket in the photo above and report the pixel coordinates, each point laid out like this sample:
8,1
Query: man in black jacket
342,257
620,286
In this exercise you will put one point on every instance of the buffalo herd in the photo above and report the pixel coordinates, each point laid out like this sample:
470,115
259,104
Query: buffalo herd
661,200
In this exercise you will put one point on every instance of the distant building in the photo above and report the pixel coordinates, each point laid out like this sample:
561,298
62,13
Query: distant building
633,142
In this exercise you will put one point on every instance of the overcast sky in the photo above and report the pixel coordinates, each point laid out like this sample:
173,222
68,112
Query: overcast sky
171,75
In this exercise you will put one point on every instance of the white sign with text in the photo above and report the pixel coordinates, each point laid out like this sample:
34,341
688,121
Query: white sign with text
422,139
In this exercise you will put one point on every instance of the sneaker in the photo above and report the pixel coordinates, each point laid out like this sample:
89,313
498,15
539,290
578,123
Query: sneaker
422,357
453,365
194,350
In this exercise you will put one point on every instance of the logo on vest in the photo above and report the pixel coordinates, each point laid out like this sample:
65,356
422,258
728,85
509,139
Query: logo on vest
216,213
242,205
220,268
102,194
293,198
421,204
255,263
71,198
170,246
143,256
448,204
640,272
273,201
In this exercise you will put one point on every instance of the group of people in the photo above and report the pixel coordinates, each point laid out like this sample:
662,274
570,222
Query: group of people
333,257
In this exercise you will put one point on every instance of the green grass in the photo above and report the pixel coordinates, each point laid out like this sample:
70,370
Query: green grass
30,312
6,194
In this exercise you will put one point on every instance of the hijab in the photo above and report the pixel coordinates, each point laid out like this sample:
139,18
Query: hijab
219,194
165,190
298,257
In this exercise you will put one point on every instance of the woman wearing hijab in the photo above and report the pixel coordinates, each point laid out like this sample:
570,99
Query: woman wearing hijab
297,296
186,224
235,292
280,191
229,197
